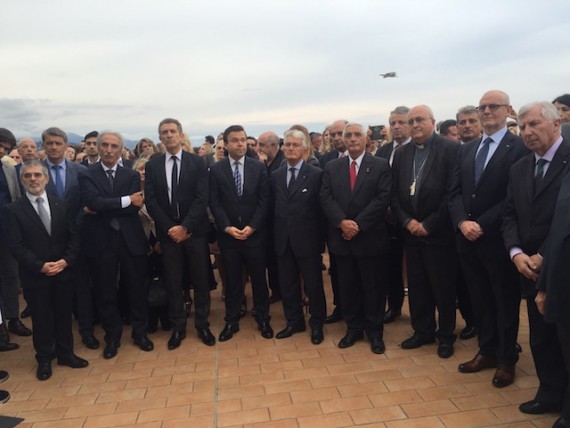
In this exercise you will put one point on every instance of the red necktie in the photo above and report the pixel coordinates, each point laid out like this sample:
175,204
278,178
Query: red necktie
352,173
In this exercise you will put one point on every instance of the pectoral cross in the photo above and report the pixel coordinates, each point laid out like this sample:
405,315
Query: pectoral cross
413,188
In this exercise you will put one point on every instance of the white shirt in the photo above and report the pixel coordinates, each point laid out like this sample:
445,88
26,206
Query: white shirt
168,165
125,200
358,161
45,202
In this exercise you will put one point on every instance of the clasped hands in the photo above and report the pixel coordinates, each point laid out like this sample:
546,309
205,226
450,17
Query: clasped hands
349,229
241,234
53,268
416,228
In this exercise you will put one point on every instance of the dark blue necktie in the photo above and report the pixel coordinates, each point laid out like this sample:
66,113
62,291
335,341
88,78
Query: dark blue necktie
481,158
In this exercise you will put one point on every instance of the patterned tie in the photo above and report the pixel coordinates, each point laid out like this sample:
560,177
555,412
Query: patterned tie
175,211
481,158
237,179
44,216
292,179
352,174
111,178
58,180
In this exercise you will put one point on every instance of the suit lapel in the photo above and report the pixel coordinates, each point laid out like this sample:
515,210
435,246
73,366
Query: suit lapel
504,147
362,173
559,163
229,174
33,215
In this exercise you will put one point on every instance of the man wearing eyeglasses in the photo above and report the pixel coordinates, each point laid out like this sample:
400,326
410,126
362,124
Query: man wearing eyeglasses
355,195
477,202
421,177
339,150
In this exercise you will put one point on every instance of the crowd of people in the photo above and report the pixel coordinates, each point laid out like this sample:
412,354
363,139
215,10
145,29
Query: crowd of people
468,213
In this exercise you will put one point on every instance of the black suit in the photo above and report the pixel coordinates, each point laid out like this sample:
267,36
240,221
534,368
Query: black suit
359,261
248,210
49,297
431,260
491,278
298,240
554,275
528,214
111,251
193,201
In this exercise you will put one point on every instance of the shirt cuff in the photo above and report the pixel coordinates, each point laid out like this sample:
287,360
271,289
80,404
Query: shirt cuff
125,201
514,251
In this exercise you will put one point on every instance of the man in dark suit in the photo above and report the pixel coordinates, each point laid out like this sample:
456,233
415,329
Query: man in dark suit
43,238
338,151
9,284
90,144
114,241
476,205
355,195
395,281
176,191
298,237
421,178
64,183
531,197
553,297
239,200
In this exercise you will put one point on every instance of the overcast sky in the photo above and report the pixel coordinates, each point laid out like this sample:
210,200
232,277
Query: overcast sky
125,65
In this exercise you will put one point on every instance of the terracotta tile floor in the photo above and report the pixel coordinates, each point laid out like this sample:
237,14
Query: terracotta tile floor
253,382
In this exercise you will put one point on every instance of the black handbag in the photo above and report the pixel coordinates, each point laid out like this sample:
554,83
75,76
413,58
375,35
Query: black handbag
156,293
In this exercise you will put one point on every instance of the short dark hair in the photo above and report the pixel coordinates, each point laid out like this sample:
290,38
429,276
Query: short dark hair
233,128
562,99
91,134
170,120
54,132
6,137
209,139
445,125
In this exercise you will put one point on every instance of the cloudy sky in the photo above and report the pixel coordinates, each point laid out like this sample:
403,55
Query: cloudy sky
126,64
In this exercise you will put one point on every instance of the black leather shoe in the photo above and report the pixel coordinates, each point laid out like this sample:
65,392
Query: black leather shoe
17,327
72,361
445,350
7,346
144,343
468,332
206,336
350,339
391,315
317,336
26,312
228,332
4,375
265,329
4,396
534,407
290,330
377,345
415,342
176,339
44,370
110,350
90,341
336,316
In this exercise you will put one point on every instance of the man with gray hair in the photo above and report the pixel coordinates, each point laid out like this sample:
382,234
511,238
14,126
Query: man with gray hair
533,189
115,240
355,195
298,237
468,124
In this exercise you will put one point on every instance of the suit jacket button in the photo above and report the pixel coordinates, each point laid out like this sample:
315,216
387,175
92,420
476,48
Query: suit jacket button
473,196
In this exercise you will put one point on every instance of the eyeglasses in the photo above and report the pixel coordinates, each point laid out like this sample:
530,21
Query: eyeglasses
492,107
292,145
419,120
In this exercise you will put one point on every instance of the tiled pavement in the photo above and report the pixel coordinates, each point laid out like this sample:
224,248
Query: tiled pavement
253,382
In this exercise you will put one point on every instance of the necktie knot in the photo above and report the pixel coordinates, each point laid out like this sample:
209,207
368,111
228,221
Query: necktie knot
39,199
110,173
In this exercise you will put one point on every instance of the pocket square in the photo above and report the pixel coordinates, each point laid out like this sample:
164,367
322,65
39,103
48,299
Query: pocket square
304,190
